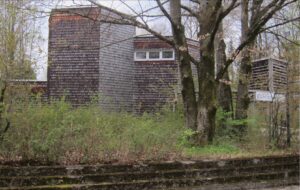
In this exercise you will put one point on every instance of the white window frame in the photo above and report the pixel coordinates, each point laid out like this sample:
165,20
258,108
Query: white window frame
139,59
172,58
159,54
154,59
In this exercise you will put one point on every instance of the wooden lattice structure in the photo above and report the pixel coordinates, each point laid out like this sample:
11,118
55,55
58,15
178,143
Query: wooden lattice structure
269,74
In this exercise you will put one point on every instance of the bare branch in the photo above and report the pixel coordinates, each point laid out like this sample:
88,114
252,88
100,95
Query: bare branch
189,10
137,14
221,16
283,37
160,5
280,24
130,20
255,29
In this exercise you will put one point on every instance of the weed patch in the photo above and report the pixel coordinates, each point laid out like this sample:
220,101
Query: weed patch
59,133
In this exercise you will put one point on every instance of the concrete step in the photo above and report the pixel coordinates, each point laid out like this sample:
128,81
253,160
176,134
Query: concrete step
132,176
292,183
172,183
143,167
152,175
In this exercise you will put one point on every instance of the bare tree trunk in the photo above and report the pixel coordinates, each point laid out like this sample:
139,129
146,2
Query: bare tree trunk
207,96
224,94
186,76
206,76
243,100
287,99
200,115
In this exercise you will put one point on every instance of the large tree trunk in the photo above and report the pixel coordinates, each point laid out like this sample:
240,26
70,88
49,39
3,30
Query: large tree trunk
200,115
207,96
186,76
224,94
206,77
243,100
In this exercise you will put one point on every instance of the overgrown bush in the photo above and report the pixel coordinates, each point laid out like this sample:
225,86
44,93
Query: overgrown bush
57,132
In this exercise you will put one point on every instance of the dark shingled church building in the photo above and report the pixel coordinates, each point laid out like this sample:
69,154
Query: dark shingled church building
91,59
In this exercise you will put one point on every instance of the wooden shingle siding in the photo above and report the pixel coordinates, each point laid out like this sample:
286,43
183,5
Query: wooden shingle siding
73,57
150,43
157,81
89,58
116,70
155,84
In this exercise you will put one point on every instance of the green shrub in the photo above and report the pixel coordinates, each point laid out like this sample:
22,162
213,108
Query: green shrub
213,150
57,132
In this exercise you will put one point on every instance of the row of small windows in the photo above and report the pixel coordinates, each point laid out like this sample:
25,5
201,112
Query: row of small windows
154,55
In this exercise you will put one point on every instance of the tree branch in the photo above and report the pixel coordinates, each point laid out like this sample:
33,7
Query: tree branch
160,5
254,30
130,20
283,37
189,10
280,24
221,16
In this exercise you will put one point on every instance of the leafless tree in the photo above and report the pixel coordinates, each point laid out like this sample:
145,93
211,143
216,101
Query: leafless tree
17,36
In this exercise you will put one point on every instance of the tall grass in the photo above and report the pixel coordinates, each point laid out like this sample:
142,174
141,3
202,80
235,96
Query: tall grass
57,132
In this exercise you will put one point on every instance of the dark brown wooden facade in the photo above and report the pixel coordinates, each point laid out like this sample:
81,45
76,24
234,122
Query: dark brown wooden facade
155,80
73,60
90,59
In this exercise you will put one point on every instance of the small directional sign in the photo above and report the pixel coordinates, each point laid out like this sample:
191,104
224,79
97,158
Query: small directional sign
267,96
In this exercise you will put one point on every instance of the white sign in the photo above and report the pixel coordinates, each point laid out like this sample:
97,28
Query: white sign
267,96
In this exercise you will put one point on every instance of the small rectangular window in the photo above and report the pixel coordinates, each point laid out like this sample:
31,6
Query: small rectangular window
167,54
141,55
154,55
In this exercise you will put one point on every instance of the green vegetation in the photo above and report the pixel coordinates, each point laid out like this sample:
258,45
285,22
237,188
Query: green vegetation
214,149
59,133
